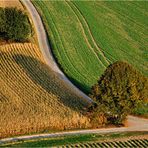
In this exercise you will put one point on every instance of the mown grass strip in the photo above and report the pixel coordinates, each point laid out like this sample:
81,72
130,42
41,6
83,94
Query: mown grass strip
85,140
83,43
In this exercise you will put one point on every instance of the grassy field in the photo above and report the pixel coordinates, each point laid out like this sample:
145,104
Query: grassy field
85,43
142,110
131,139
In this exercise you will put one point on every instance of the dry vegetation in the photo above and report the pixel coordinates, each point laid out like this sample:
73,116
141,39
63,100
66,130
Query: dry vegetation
11,3
31,96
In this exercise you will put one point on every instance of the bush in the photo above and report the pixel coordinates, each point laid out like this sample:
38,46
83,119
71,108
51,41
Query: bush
14,25
118,92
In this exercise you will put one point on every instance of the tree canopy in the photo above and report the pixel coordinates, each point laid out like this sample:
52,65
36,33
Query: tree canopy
118,92
14,24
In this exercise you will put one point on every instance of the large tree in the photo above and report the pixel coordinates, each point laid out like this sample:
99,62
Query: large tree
119,90
14,24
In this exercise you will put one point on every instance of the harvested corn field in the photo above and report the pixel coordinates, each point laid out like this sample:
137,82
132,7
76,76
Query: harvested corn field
32,98
11,3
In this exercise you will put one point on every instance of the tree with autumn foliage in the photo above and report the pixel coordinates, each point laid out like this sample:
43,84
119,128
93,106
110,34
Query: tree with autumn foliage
118,92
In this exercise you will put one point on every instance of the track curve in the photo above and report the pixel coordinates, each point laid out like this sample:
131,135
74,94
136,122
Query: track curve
134,124
46,50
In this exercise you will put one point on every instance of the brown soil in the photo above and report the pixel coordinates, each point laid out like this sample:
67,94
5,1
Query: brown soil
11,3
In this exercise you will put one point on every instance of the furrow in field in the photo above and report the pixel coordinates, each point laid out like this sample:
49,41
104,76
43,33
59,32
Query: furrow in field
111,143
12,71
8,78
80,74
14,58
89,34
25,99
16,72
86,39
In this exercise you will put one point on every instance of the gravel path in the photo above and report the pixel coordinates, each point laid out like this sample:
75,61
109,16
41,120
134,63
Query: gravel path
46,50
135,124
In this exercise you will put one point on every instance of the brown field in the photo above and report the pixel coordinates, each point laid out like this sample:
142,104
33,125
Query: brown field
32,99
11,3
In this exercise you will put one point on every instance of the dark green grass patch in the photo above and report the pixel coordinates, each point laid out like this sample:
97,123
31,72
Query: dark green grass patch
142,110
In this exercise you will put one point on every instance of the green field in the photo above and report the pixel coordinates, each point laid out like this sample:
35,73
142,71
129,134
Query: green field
126,139
88,36
142,110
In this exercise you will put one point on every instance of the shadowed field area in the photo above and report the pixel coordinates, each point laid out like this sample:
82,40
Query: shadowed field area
32,96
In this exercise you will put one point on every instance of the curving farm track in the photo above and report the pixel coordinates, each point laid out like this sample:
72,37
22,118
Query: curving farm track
46,50
134,123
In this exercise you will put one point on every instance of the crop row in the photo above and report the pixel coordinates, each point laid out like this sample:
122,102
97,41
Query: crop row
31,95
136,143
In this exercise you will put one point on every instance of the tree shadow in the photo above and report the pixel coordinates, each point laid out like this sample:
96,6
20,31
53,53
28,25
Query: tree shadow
49,80
82,86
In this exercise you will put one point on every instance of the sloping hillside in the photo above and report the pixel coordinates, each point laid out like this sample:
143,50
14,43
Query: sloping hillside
31,96
88,36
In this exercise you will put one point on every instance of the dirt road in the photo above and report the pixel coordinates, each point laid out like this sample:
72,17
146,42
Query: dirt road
46,50
135,124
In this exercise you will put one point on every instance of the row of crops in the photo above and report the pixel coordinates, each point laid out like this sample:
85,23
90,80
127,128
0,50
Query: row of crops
32,98
88,36
136,143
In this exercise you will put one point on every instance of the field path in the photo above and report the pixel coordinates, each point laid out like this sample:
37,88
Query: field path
46,50
134,124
